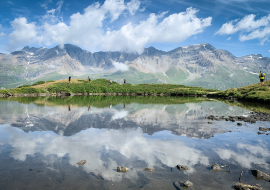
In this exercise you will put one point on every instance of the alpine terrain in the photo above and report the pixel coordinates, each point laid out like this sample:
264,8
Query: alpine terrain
195,65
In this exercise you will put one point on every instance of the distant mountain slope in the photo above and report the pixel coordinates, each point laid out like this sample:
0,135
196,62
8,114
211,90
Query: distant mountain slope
195,65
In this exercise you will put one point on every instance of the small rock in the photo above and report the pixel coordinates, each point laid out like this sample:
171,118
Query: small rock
239,124
188,183
267,133
260,175
181,167
262,129
241,186
215,167
122,169
82,162
260,133
230,131
210,122
149,169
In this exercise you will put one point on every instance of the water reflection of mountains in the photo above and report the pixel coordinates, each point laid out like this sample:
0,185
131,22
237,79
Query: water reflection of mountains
181,116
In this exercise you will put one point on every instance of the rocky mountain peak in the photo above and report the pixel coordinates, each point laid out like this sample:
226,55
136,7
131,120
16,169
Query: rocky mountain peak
151,51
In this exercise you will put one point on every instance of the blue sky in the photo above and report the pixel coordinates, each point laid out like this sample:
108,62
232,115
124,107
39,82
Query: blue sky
239,26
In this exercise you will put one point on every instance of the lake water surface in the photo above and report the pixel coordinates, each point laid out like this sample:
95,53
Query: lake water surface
43,139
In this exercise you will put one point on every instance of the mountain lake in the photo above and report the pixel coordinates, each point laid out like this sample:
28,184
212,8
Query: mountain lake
78,142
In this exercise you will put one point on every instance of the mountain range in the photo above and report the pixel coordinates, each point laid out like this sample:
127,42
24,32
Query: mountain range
195,65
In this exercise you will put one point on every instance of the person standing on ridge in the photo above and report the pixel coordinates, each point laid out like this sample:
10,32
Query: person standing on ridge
69,79
89,80
262,77
110,81
124,81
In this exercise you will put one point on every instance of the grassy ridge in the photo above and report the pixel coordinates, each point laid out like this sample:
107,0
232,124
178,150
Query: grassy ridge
103,86
254,92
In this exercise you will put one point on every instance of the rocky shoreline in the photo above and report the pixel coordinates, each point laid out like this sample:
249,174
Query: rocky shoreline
252,118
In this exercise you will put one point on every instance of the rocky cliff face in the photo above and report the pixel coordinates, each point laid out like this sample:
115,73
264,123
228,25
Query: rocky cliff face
200,65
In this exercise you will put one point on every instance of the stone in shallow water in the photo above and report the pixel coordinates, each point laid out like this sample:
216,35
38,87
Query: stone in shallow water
215,167
241,186
182,167
262,129
149,169
239,124
260,175
122,169
82,162
188,183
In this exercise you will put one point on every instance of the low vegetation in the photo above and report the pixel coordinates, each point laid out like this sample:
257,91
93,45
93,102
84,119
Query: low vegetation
254,92
103,86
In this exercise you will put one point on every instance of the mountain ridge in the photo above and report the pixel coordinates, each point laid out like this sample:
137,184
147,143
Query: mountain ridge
201,64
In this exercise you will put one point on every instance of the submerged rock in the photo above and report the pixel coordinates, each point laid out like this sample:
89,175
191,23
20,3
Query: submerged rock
210,122
82,162
122,169
187,183
260,175
215,167
239,124
182,167
149,169
260,133
241,186
263,129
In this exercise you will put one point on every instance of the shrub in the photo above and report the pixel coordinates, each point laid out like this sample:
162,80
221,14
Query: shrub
38,83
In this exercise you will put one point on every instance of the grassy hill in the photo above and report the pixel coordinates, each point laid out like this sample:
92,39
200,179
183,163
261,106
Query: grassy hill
254,92
103,86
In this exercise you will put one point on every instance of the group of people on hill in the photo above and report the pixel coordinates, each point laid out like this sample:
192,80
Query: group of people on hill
89,80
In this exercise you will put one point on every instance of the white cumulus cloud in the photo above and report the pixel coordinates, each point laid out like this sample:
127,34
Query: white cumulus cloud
88,29
229,38
23,32
249,28
120,66
2,34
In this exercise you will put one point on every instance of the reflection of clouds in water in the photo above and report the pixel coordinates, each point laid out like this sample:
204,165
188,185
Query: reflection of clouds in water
93,144
120,115
247,156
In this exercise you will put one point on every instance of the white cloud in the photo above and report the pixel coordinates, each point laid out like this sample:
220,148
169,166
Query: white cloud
2,34
229,38
10,3
133,6
45,4
23,32
249,28
87,30
269,51
120,66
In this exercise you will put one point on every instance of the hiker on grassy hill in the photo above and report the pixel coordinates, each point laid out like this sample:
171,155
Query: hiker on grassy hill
69,79
89,80
110,81
124,81
262,77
